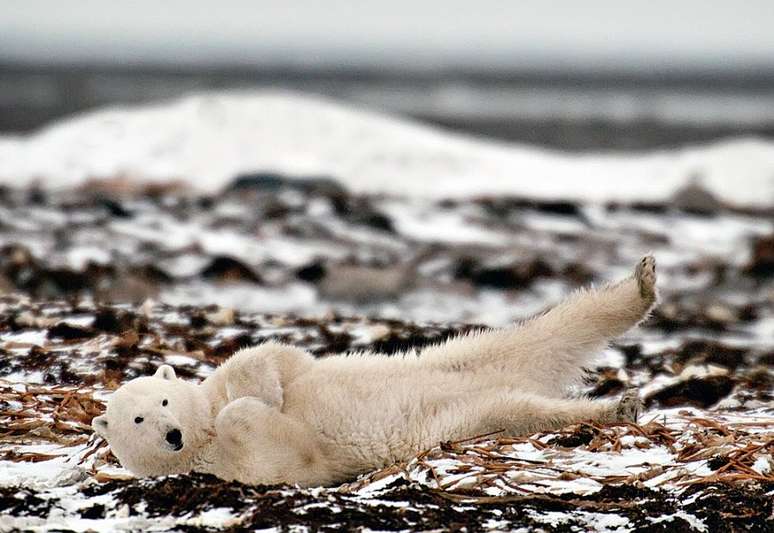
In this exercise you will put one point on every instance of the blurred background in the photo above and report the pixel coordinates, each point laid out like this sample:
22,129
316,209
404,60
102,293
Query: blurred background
437,160
599,74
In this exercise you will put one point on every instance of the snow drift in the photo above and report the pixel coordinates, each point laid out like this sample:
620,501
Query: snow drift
207,139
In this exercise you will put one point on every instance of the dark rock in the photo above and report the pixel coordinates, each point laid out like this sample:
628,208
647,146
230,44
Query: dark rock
501,207
151,274
360,211
607,387
373,219
632,352
311,273
114,208
580,437
63,330
717,462
258,181
272,182
513,276
699,392
94,512
711,352
37,196
761,264
224,268
117,321
767,359
654,208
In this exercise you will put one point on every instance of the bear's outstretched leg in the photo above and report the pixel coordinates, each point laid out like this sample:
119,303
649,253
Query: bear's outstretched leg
523,414
259,444
548,352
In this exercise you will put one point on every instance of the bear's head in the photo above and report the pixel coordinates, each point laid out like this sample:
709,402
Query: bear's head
156,425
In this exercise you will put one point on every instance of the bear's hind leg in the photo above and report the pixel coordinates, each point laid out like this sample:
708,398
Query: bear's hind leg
518,414
547,353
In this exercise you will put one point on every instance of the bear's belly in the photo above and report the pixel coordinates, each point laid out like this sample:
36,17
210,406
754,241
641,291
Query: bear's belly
368,423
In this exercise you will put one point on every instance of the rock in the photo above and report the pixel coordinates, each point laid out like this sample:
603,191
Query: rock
761,263
721,314
312,272
126,288
501,207
364,284
227,269
271,182
114,208
223,316
65,331
511,276
708,352
699,392
112,320
695,199
580,437
373,219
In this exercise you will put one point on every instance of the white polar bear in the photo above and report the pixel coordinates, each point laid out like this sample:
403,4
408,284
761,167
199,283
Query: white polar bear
275,414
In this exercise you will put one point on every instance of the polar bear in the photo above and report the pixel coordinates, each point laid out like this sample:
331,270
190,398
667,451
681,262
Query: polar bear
275,414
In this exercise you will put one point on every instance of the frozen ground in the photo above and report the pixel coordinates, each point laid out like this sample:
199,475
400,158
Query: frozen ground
106,281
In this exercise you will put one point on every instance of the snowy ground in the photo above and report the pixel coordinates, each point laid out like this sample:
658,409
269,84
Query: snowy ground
419,236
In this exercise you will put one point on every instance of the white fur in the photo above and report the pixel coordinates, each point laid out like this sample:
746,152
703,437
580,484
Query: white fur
273,413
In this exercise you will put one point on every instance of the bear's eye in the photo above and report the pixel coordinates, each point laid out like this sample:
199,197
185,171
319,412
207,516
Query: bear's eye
164,403
138,420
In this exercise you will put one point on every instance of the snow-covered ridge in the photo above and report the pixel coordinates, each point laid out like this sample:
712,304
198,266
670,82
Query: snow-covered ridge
207,139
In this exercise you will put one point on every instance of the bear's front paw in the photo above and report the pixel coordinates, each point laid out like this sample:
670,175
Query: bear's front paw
250,375
239,420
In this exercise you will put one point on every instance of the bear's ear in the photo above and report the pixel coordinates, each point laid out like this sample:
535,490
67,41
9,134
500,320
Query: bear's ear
100,425
165,372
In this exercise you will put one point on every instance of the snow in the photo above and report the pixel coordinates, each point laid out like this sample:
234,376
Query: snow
209,138
38,337
694,522
79,257
762,465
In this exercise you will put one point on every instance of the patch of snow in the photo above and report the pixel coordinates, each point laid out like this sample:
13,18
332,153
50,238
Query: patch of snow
78,257
439,227
694,522
219,517
762,465
605,522
38,337
180,360
245,297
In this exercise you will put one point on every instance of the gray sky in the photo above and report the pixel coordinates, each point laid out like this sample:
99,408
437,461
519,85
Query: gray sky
588,35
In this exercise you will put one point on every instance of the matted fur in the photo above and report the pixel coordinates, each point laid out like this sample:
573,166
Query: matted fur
273,413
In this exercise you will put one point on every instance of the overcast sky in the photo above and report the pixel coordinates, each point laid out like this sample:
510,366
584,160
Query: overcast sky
582,34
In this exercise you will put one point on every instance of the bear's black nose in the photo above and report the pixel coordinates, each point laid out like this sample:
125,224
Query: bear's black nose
175,438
